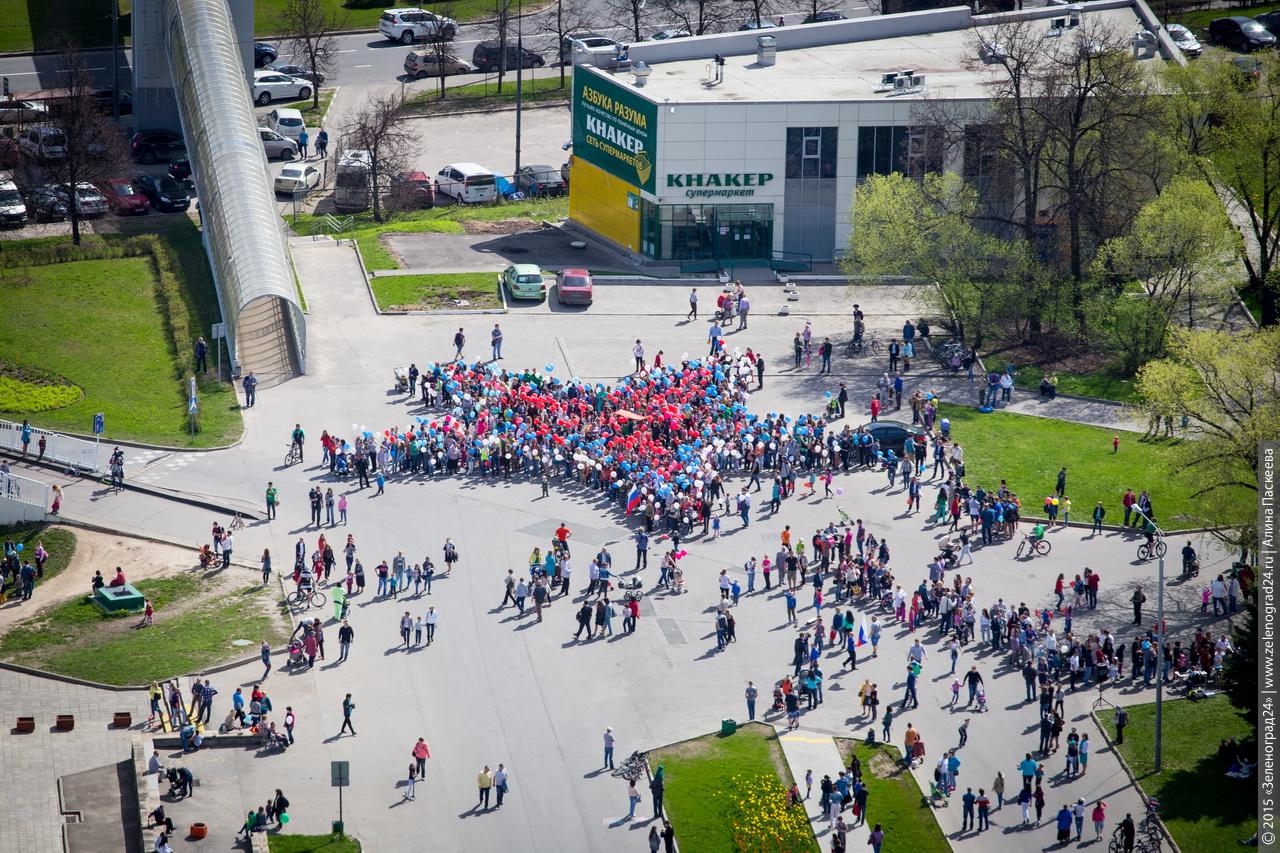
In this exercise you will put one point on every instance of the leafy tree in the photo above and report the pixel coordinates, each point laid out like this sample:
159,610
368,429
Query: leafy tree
924,229
308,28
1225,387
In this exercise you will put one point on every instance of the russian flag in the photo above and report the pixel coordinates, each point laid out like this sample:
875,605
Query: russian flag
633,499
862,631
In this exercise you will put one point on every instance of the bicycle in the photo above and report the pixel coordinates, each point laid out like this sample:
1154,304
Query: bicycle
1147,551
1150,832
308,598
633,767
294,454
236,523
868,343
1034,546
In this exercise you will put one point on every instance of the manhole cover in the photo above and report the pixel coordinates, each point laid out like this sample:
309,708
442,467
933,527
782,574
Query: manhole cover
242,642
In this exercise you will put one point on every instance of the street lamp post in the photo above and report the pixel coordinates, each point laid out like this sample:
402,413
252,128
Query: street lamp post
1159,664
115,59
519,81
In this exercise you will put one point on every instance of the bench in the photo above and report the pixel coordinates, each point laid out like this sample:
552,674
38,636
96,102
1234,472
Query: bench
25,725
122,719
65,722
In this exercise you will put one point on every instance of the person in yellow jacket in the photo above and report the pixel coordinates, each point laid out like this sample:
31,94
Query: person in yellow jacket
485,783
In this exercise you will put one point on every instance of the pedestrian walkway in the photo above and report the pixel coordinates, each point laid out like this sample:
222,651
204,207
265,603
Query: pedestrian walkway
955,388
806,751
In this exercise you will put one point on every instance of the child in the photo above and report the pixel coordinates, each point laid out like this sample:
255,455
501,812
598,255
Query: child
342,508
1205,595
148,613
1066,510
808,353
382,482
715,528
1115,444
955,692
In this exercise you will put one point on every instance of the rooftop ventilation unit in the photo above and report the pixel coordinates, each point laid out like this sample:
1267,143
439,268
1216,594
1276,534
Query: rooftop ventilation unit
641,70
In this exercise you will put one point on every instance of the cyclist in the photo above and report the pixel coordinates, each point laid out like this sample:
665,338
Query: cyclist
1188,559
1126,831
296,438
305,583
1149,530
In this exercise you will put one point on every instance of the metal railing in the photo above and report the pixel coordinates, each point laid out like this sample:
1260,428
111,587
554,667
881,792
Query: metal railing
24,490
75,453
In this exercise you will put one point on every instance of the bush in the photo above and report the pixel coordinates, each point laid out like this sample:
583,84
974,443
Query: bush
29,397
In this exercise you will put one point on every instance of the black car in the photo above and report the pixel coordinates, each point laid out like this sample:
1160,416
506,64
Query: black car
892,435
1270,20
487,55
1243,34
104,100
164,193
46,204
264,54
150,146
823,17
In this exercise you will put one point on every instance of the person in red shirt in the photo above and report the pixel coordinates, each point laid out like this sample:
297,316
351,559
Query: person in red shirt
875,408
562,536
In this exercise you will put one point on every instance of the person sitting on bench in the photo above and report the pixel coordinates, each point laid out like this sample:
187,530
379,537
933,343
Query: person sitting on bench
157,818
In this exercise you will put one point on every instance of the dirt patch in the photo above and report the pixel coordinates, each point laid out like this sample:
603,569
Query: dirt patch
1050,352
500,226
470,300
883,767
140,560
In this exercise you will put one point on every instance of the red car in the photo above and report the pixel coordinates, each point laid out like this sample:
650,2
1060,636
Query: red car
123,196
411,191
573,287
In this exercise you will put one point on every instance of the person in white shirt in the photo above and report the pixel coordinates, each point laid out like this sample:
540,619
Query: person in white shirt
638,352
430,619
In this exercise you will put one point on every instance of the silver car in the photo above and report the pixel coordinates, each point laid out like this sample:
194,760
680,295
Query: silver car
276,145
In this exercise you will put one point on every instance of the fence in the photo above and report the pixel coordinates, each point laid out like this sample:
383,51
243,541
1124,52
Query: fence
26,491
75,453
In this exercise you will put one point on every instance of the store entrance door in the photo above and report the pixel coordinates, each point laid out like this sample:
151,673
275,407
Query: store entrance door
742,239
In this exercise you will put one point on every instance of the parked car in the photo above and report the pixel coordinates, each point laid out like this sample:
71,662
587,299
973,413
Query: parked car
297,72
269,86
424,62
46,204
1182,37
297,179
13,210
1243,34
104,99
487,57
893,434
264,54
23,112
573,287
88,201
467,183
1270,20
163,192
599,50
763,24
123,196
43,144
663,35
276,145
411,191
408,25
540,180
523,281
823,17
150,146
286,121
10,150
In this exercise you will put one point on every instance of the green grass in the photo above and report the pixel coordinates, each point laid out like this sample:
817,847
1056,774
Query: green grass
894,800
1028,451
120,327
312,844
21,395
534,90
699,771
1105,386
76,638
436,291
364,14
310,114
1198,20
26,26
58,541
439,220
1202,808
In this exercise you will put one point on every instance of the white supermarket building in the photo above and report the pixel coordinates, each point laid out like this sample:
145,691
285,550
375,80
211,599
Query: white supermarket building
756,162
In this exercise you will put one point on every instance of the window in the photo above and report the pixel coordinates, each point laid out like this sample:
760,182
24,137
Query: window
887,149
811,152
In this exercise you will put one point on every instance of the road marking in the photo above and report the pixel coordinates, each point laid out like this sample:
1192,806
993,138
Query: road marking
802,739
362,66
347,50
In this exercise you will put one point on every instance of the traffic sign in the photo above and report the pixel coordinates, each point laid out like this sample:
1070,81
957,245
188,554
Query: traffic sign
99,423
340,774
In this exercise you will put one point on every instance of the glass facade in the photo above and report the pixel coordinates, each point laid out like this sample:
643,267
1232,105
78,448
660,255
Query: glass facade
706,231
912,151
809,225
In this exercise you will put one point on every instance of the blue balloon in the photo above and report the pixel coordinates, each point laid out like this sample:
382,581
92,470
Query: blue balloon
550,368
828,395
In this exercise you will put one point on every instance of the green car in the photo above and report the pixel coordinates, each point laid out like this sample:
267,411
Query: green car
523,281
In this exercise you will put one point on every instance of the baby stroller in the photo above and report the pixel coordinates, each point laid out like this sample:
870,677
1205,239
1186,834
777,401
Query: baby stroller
296,656
402,379
779,701
982,700
341,466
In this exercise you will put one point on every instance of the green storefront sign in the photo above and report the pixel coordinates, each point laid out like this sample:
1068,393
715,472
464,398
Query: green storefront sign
614,129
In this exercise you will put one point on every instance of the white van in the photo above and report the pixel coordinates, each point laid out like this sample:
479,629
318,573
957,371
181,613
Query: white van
286,122
467,183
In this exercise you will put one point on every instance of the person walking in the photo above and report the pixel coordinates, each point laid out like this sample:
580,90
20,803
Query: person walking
495,340
633,797
345,635
409,782
347,708
1099,817
431,619
322,143
1137,600
693,305
265,652
303,139
484,782
751,694
421,752
500,783
290,720
250,383
459,341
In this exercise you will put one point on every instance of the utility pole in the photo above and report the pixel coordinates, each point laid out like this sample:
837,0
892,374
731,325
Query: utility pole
519,81
1159,659
115,59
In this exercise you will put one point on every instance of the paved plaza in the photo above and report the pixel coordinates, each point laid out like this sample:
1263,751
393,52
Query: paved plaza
497,687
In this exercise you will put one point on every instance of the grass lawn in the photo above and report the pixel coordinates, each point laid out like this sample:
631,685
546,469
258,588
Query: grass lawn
26,26
58,541
1106,386
713,782
535,90
364,14
1028,451
195,624
894,800
441,220
1198,20
122,352
312,844
417,292
310,114
1202,808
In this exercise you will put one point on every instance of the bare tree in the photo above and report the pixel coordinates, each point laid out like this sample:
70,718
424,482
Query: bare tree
563,19
699,17
498,30
95,147
631,14
307,27
378,128
442,50
761,10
